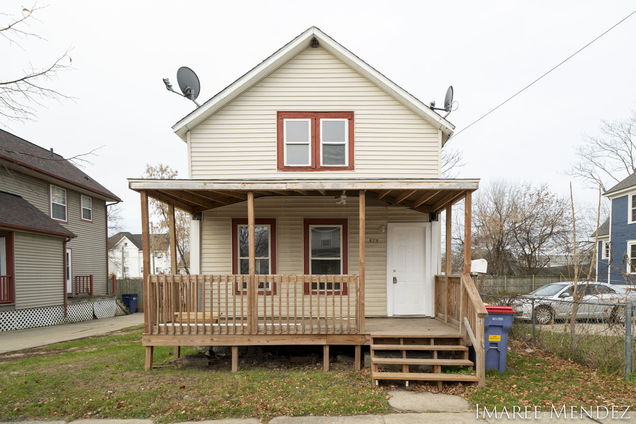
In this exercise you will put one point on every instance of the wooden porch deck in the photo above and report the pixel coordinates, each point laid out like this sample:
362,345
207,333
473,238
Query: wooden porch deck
410,326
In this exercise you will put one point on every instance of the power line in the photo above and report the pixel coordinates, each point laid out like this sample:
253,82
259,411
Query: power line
544,74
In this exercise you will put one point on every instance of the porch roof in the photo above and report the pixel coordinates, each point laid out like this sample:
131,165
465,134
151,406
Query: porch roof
196,195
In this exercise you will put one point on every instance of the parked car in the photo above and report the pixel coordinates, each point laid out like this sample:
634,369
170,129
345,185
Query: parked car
555,301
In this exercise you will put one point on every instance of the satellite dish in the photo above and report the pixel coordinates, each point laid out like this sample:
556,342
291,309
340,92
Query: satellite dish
448,100
188,83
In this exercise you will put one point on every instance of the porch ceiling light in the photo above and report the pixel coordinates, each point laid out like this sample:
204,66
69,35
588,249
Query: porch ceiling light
342,199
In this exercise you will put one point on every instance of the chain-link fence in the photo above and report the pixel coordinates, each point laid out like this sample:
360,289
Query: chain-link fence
515,284
601,336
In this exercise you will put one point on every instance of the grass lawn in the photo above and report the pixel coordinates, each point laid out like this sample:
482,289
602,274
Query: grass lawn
536,378
104,377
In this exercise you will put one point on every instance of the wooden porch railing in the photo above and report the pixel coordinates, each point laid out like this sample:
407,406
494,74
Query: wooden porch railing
457,301
82,285
6,289
284,304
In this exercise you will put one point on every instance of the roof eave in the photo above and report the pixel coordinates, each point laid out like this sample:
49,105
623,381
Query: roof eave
287,52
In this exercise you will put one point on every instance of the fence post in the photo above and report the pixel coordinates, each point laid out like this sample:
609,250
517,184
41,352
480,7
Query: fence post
629,340
532,282
534,338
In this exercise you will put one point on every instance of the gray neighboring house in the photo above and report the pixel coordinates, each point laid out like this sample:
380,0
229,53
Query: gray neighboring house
53,234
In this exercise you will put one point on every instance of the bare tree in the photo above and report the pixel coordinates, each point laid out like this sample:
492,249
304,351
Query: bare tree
451,160
607,159
115,220
539,225
22,93
159,215
493,217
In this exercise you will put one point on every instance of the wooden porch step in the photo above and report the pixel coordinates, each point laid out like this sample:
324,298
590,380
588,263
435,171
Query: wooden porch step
421,361
418,347
423,376
390,335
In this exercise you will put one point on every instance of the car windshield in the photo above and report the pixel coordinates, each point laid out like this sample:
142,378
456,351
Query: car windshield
549,290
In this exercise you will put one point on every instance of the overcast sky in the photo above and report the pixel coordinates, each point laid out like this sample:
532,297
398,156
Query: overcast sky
487,50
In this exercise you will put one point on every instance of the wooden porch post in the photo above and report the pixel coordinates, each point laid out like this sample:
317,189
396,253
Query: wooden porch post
252,305
468,213
145,243
174,270
362,258
449,257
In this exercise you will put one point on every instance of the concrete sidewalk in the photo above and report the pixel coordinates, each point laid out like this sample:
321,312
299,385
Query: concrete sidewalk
34,337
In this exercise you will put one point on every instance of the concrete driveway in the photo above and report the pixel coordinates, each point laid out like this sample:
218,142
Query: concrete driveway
33,337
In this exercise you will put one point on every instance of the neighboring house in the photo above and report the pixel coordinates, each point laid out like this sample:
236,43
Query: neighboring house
334,172
125,255
616,254
53,263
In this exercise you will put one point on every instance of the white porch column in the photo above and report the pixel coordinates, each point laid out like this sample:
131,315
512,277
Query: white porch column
195,244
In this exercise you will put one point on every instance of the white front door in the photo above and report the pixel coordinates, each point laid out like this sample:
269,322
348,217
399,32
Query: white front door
68,272
408,287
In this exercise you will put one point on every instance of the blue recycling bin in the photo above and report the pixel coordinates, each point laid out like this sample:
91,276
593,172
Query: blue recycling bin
130,301
497,325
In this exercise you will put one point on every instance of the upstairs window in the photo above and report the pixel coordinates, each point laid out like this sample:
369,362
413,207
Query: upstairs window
605,249
631,213
58,203
315,141
631,257
87,208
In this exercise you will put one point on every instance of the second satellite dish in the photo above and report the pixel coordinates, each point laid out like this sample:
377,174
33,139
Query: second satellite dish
188,84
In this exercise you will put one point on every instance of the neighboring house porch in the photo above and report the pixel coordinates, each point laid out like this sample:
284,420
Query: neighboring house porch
310,262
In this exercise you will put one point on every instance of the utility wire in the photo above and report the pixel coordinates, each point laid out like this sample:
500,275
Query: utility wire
544,74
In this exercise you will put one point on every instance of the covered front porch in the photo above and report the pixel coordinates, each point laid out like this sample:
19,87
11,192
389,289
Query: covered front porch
287,308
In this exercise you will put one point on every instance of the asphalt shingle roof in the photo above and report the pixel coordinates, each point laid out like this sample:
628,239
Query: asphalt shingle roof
24,153
603,230
17,213
626,183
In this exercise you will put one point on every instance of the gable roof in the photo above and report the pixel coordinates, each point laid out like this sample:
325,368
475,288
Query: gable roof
18,214
628,182
161,240
28,155
287,52
603,230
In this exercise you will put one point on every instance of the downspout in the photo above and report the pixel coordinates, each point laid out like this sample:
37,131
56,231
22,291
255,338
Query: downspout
64,264
106,205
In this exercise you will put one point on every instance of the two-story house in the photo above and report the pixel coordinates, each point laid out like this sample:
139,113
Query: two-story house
125,253
53,223
316,195
616,252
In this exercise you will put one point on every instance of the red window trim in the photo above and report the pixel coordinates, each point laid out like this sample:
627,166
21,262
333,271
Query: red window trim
315,140
10,259
345,251
272,247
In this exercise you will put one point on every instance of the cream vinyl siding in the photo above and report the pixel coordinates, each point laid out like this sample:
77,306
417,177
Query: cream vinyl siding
239,141
39,271
289,212
89,247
